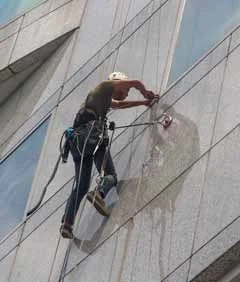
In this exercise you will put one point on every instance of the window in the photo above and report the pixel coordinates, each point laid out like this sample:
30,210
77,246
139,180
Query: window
204,23
11,8
16,176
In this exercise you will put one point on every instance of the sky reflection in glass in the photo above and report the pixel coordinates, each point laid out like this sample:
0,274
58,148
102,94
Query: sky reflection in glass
16,176
204,23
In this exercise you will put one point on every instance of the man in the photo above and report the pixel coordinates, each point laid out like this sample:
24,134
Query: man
89,140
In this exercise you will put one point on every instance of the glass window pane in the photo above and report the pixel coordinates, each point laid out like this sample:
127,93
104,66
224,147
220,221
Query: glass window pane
16,176
12,8
204,23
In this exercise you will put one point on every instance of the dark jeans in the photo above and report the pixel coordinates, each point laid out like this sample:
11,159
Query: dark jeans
83,181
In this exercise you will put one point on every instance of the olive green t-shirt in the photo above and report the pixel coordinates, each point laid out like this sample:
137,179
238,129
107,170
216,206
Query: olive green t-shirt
100,98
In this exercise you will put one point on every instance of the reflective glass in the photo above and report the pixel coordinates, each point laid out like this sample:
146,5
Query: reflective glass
11,8
204,23
16,176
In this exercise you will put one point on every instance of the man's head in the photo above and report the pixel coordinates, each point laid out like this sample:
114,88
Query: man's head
117,76
121,91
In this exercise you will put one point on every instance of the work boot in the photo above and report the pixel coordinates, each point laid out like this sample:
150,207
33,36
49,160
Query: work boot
66,230
95,198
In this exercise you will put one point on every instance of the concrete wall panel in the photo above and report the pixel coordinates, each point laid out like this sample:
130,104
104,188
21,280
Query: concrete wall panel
179,275
167,227
235,40
220,202
6,48
10,243
47,210
96,65
198,72
48,28
16,136
135,8
102,272
211,252
6,266
159,43
39,91
55,70
36,253
228,113
21,104
57,3
92,36
36,13
11,28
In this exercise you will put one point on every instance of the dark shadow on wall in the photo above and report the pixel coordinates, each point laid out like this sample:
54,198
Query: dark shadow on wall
170,152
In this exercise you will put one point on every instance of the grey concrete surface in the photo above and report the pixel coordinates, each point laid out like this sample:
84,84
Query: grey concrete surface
57,3
228,114
15,80
6,47
27,126
202,68
39,54
159,43
5,267
103,271
48,28
220,202
37,253
135,8
217,257
11,28
10,242
36,13
98,62
19,107
35,92
235,40
180,275
92,36
5,74
47,209
55,69
115,12
139,19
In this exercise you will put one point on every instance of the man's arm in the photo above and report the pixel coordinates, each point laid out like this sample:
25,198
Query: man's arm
137,84
116,104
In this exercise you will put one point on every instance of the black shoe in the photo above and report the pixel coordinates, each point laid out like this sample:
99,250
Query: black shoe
66,231
95,198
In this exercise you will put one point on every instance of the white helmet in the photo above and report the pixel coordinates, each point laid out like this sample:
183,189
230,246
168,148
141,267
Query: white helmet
117,76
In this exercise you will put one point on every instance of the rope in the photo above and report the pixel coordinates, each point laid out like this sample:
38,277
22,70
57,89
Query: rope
65,261
49,181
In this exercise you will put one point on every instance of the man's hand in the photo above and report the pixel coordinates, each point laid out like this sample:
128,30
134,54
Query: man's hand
148,94
150,102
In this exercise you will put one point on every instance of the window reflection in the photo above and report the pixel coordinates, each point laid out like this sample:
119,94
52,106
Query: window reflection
16,176
10,9
204,23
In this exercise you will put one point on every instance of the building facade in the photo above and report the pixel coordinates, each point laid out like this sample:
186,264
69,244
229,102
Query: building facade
175,212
